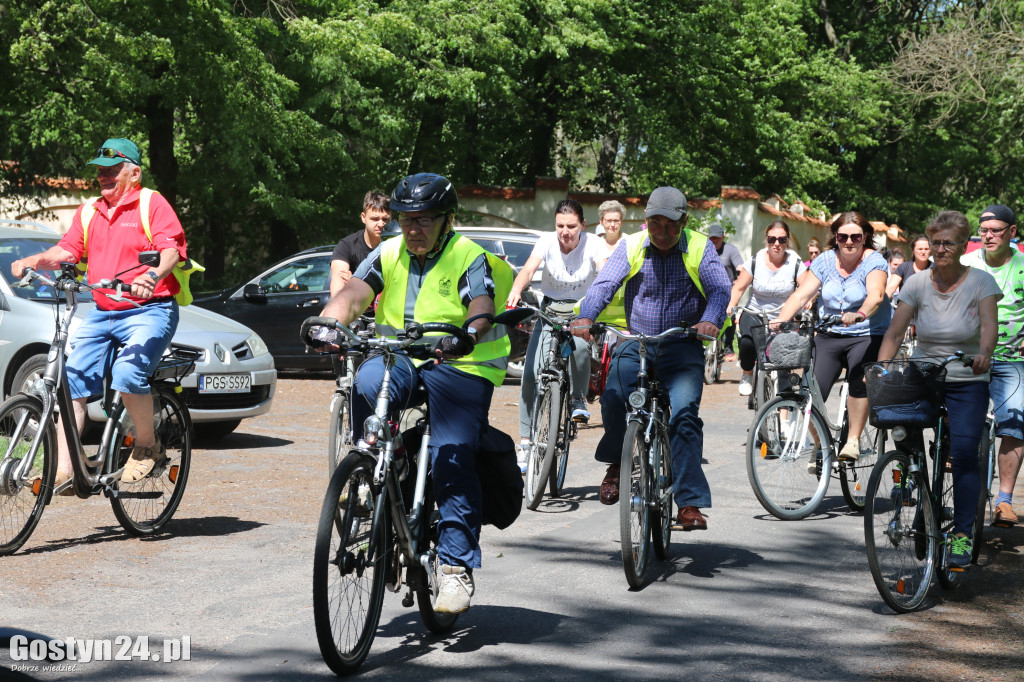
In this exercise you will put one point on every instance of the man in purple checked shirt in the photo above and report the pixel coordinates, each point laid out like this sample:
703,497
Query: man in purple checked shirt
672,277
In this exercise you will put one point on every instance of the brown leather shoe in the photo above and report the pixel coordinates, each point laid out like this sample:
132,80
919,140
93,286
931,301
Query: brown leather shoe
1004,516
690,518
610,485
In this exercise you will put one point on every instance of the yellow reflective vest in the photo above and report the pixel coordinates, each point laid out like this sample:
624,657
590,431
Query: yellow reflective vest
439,301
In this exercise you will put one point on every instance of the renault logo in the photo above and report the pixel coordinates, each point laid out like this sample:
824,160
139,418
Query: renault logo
221,352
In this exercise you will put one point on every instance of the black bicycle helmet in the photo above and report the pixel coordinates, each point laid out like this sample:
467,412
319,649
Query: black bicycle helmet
423,192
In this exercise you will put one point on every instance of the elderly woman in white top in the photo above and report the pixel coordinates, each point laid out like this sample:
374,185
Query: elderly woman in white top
609,219
571,260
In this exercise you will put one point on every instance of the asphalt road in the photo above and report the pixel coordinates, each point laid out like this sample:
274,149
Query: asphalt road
751,598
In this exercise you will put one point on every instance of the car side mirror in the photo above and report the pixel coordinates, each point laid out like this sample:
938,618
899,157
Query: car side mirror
254,292
149,258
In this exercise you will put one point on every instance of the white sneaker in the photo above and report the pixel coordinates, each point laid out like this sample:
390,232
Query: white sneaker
746,384
850,451
580,413
456,590
523,456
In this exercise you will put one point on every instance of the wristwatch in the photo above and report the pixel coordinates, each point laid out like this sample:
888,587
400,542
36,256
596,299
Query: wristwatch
156,277
472,332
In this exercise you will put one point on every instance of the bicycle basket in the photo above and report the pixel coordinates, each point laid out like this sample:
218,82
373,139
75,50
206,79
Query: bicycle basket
786,347
175,364
904,393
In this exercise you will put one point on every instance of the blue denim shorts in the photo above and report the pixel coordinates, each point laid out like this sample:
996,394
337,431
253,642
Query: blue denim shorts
1007,392
144,332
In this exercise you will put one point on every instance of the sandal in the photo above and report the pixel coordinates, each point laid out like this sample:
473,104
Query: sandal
140,463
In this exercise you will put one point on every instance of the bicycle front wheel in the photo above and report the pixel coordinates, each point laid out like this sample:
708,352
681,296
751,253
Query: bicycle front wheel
661,525
899,533
634,505
339,437
23,493
565,436
143,507
543,442
710,363
348,582
789,458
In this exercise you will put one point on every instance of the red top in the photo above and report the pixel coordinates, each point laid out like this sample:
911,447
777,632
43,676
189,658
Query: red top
116,237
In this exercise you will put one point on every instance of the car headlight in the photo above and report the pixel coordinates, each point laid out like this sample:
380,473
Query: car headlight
257,346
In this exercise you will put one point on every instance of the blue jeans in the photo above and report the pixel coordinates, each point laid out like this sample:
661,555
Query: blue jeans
680,367
966,406
536,356
1007,389
458,404
144,332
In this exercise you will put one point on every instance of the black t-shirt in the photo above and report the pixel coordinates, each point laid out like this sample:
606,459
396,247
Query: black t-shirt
906,269
352,249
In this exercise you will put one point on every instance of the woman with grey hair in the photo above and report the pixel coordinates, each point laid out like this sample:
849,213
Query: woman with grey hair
609,217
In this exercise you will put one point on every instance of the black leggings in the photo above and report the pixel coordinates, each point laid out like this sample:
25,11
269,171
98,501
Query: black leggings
832,352
748,352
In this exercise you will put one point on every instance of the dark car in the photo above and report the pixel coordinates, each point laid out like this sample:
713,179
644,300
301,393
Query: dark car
276,302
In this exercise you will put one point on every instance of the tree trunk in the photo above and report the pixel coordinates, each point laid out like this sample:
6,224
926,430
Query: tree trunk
163,165
428,154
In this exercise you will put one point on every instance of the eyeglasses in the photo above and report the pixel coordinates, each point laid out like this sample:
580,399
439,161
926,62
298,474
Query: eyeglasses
842,238
612,221
108,153
781,240
945,245
420,221
994,231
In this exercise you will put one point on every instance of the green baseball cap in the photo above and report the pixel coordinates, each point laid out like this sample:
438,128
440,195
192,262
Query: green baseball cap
117,150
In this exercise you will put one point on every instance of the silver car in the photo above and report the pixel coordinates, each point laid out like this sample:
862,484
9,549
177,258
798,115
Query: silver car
234,376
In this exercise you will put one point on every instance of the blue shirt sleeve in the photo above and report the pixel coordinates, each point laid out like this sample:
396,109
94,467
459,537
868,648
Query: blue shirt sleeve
371,271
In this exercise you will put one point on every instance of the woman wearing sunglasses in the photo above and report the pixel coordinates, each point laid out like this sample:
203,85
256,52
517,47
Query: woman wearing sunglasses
920,247
774,272
851,277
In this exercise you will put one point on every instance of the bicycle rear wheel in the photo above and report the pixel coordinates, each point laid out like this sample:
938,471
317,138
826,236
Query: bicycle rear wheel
899,533
789,458
22,501
429,586
348,583
853,476
143,507
634,505
948,578
661,525
542,442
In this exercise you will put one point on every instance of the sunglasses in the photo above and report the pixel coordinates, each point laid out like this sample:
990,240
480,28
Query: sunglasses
780,240
420,221
108,153
842,238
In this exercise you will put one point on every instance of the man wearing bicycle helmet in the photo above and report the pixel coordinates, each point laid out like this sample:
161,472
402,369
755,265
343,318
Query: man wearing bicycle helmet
433,274
667,277
113,231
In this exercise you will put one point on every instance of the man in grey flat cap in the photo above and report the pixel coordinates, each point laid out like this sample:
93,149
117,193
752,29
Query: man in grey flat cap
732,261
666,277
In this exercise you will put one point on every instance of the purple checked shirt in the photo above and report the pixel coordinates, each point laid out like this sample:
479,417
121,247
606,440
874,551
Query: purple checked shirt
662,295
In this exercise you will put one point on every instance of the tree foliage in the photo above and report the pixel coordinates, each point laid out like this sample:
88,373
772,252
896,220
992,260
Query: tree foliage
265,121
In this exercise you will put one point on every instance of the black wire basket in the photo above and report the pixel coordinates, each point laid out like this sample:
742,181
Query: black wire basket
787,346
904,393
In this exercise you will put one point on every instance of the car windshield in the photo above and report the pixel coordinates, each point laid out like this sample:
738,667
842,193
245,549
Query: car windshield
517,252
304,274
22,247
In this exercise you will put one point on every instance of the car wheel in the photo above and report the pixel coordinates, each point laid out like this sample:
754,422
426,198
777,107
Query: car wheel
212,431
29,371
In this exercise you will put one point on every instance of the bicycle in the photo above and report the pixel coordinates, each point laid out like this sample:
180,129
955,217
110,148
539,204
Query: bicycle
600,362
714,358
28,435
340,433
379,516
553,428
910,514
645,507
794,444
766,382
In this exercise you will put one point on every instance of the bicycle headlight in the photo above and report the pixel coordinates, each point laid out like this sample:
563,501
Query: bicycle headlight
637,399
373,429
898,433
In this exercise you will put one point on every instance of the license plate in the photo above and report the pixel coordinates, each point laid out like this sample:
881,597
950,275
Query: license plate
225,383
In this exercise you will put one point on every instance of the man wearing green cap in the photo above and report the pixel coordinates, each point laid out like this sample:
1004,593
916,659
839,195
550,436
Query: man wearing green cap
109,232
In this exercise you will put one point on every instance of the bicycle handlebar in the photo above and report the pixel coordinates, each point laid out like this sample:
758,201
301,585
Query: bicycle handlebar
406,341
689,332
66,282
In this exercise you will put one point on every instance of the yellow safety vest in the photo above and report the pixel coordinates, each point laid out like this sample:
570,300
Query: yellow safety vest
439,301
182,271
615,312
